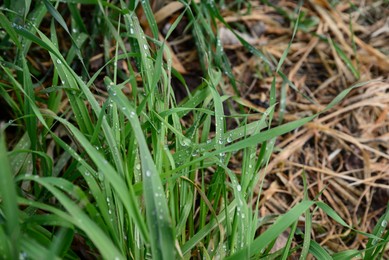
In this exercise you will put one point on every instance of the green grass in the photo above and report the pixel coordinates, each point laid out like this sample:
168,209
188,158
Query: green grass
121,170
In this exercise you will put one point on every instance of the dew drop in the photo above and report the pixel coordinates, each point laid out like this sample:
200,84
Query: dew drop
229,139
59,61
384,223
22,255
145,46
148,173
132,114
239,188
185,142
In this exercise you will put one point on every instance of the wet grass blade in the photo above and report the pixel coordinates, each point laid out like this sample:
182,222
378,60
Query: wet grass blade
157,214
11,229
282,223
319,252
82,221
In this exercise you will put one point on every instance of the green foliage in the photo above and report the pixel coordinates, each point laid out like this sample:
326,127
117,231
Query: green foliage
120,170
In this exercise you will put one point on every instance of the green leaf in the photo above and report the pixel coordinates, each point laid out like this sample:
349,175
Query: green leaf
8,199
281,224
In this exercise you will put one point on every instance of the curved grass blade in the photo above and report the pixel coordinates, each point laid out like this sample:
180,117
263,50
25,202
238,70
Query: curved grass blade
8,200
82,221
157,214
319,252
281,224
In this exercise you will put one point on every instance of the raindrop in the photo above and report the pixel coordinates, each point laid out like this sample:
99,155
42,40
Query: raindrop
114,93
148,173
22,255
220,141
384,223
109,212
239,188
229,139
132,114
145,46
59,61
185,142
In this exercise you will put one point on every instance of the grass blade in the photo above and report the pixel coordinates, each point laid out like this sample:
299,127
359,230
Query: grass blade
8,201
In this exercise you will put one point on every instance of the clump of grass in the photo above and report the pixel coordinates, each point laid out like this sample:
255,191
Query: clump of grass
111,158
